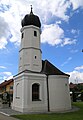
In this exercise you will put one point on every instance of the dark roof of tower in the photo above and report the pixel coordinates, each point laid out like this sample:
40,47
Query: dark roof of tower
31,19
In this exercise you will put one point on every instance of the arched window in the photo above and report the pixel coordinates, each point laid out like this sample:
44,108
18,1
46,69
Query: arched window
35,92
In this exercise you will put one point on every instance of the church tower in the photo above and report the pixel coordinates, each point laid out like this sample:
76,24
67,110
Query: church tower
30,52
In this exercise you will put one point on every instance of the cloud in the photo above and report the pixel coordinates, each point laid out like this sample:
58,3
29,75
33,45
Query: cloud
2,67
58,22
4,7
55,8
45,8
3,43
79,68
76,77
12,18
73,31
10,22
68,41
74,51
12,12
60,9
52,34
4,33
5,76
7,73
67,61
76,4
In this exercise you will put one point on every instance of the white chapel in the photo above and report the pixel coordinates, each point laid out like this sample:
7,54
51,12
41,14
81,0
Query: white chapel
39,86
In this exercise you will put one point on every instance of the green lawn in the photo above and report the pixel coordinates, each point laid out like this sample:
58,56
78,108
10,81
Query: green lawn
77,115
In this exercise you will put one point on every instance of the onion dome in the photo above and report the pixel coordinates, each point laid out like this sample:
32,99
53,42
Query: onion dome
31,19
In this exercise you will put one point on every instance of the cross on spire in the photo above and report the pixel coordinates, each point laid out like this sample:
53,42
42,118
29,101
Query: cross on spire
31,10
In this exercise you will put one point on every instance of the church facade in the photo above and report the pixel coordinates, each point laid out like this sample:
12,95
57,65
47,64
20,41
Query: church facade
39,86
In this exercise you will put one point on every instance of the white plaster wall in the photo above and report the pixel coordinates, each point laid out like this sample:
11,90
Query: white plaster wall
28,61
59,96
29,40
18,95
25,103
30,48
38,105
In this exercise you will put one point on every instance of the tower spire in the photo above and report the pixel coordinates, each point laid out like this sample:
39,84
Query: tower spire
31,10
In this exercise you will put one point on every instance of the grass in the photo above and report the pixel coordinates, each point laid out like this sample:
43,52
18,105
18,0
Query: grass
77,115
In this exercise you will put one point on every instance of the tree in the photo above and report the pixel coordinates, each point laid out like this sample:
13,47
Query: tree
79,87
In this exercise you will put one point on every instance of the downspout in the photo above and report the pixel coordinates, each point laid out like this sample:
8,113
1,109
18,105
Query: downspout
48,104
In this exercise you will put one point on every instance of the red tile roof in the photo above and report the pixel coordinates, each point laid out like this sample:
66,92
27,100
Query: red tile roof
71,85
6,83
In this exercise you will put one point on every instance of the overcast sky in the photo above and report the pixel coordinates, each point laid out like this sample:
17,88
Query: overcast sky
61,37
